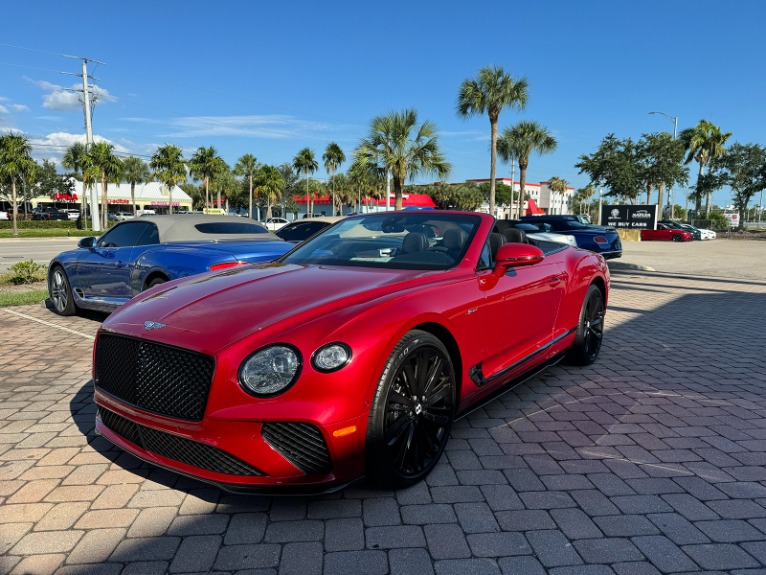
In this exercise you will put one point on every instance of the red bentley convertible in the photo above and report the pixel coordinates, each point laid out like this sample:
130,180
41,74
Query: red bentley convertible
348,357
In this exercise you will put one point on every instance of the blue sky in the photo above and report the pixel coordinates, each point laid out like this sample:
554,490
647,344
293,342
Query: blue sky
270,78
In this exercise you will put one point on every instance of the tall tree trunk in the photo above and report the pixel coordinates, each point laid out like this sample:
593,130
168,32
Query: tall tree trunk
207,193
698,193
523,163
103,203
133,196
250,208
397,193
493,165
170,199
14,207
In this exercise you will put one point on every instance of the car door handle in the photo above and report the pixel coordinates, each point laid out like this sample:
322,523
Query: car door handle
119,264
555,281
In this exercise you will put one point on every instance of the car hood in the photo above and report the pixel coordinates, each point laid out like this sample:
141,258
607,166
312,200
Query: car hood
208,312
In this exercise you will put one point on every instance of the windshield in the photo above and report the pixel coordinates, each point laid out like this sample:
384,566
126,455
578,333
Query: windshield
418,240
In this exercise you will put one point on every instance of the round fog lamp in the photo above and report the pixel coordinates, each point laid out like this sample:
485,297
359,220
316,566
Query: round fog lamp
331,357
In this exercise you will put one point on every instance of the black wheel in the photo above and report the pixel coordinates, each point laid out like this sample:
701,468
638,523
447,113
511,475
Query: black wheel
156,282
590,329
678,238
61,292
412,412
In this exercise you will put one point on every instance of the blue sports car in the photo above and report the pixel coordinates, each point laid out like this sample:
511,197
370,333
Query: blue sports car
600,239
105,272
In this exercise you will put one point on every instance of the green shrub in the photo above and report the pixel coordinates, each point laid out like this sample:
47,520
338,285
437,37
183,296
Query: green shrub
39,224
26,272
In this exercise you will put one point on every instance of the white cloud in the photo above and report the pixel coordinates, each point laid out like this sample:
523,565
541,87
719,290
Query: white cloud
62,101
3,109
62,98
20,108
273,126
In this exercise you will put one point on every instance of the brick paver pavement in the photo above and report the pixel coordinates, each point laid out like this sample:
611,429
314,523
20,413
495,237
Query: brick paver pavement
653,460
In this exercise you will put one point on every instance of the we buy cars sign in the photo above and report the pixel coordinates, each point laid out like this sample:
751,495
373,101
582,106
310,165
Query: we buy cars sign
636,217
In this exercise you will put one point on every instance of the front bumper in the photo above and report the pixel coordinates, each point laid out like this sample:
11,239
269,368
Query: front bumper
241,456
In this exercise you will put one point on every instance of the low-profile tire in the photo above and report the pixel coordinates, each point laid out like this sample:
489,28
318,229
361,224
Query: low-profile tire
155,282
412,412
590,329
60,292
678,238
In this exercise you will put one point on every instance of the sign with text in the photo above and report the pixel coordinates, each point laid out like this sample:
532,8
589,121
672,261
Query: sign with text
629,217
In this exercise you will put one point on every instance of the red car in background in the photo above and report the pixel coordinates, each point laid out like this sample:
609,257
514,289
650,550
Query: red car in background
665,232
349,356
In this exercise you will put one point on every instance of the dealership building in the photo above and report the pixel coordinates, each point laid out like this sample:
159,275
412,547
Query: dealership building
149,196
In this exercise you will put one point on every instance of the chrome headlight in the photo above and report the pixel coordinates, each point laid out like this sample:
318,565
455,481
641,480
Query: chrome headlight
270,370
331,357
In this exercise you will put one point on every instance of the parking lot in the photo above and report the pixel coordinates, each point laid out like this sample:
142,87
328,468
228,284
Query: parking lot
652,460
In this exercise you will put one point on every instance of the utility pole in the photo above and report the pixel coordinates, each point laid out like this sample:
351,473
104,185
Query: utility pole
94,210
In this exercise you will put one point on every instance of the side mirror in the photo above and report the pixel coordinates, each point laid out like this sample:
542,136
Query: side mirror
513,255
87,243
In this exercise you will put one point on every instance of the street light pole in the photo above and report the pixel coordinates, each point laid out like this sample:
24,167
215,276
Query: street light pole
674,119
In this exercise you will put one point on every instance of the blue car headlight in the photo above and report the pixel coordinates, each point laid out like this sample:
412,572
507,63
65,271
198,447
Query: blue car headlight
270,370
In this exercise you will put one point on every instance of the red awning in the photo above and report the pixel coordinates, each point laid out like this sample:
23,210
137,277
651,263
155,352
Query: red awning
533,209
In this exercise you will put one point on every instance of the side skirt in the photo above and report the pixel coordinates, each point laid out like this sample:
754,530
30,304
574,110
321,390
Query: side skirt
510,385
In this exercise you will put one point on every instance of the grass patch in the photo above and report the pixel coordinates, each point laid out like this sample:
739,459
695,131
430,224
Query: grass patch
27,297
50,233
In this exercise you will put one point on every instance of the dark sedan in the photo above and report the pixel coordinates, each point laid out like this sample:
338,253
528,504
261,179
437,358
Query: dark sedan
104,273
600,239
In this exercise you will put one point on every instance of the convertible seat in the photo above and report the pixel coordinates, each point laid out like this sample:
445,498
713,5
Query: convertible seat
454,240
414,242
495,242
515,235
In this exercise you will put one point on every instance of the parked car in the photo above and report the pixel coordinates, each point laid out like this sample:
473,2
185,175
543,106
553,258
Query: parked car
698,233
273,224
301,230
539,231
667,233
349,356
600,239
122,216
103,273
49,213
3,215
72,214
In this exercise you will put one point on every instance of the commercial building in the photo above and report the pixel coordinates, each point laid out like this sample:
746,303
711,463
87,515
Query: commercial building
149,196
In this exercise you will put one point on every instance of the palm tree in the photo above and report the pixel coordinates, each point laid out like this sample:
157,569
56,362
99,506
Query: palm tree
169,168
558,185
398,145
134,171
16,164
703,143
109,168
333,157
246,166
305,162
490,92
74,159
519,142
204,165
269,181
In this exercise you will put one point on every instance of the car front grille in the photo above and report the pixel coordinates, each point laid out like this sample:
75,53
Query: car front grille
302,444
158,378
194,453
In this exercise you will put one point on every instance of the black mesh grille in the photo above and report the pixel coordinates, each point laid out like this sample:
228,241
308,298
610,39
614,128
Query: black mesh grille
186,451
155,377
300,443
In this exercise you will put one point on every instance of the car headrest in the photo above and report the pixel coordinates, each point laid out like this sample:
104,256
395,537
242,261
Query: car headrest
414,242
454,239
515,235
